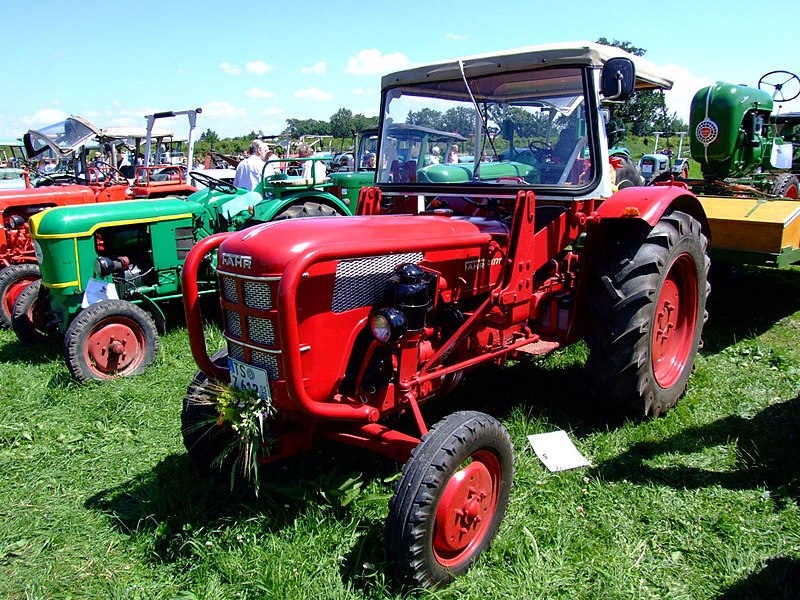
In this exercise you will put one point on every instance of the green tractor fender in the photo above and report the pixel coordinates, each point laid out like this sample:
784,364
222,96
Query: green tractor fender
268,209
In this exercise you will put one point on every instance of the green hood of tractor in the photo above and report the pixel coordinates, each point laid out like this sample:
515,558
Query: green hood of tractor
82,220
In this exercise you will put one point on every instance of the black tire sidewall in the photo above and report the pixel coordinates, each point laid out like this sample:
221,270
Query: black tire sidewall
8,277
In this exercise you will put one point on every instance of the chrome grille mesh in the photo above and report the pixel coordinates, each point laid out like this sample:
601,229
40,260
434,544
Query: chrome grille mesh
362,281
229,291
266,361
234,323
236,351
257,295
261,331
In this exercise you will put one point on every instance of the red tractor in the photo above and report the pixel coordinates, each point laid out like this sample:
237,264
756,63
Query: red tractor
516,246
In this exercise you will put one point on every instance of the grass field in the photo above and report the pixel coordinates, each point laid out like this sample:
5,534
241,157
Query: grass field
99,499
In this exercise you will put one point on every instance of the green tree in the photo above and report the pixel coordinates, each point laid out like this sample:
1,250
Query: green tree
209,136
459,119
342,123
426,117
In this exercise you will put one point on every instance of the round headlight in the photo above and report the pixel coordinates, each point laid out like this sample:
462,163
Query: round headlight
388,325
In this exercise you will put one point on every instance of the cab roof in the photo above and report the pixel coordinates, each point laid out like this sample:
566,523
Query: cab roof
648,75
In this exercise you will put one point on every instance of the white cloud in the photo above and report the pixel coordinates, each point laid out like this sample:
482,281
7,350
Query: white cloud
679,98
372,62
230,69
455,36
313,94
316,69
222,109
259,67
256,92
364,92
271,111
45,116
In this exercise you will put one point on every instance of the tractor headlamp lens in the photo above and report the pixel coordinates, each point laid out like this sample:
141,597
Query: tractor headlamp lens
388,325
103,266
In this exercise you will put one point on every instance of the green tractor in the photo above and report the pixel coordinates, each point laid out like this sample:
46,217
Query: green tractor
107,269
748,189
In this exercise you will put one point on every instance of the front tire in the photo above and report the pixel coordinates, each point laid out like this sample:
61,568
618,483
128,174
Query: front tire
112,338
306,209
628,175
31,318
452,496
14,279
647,310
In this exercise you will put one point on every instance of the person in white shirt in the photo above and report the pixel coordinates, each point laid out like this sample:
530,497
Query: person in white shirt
248,172
320,174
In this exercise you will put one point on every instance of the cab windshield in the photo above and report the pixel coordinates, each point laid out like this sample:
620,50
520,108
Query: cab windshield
525,127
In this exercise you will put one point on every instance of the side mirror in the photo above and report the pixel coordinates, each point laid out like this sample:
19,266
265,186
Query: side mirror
618,79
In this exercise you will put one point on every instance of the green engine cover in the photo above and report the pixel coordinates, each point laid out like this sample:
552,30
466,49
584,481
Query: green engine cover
727,124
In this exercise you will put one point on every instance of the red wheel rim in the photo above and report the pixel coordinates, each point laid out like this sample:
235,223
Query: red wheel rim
791,192
14,291
675,321
115,347
466,509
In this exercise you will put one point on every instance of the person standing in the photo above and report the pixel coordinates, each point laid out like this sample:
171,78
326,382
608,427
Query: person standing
312,169
248,172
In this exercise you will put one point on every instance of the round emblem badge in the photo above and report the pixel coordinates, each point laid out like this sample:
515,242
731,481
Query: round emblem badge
706,131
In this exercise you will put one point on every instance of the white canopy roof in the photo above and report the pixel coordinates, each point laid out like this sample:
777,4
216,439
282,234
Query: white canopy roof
648,75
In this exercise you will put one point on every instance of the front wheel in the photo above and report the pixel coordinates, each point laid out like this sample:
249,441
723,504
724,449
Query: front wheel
112,338
14,279
786,186
31,318
646,314
306,209
451,498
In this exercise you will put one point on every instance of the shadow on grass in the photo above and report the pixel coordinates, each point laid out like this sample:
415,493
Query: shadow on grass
748,304
16,352
767,447
778,580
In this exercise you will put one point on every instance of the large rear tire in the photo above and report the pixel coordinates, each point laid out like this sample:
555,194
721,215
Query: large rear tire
646,311
112,338
786,186
31,318
628,175
14,279
452,496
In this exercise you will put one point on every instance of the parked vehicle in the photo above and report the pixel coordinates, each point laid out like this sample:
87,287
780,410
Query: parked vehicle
340,326
106,270
12,164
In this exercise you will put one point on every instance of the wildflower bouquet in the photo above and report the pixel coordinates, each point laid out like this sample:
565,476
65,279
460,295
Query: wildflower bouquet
246,414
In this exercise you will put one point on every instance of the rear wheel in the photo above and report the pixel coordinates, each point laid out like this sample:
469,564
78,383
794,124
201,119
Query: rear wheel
646,311
307,209
786,186
31,317
112,338
13,280
451,498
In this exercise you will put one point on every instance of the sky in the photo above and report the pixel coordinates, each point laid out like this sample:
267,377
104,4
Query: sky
252,65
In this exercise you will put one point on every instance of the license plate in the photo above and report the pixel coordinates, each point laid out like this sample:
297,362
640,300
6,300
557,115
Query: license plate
248,377
647,168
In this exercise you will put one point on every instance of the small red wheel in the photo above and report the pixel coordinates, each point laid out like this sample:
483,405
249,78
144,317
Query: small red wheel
451,499
14,279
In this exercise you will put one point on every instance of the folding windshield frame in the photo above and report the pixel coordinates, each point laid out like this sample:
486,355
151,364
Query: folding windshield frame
523,88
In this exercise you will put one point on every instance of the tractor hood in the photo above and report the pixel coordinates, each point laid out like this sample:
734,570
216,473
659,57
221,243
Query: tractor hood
83,220
266,250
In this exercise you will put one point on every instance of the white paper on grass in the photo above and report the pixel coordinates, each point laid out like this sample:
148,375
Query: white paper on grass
97,290
557,451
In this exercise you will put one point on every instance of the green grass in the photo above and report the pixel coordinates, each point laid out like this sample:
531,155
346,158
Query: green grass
99,500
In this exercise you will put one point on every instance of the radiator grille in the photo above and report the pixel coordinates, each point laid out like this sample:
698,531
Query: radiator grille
229,291
257,295
261,331
362,281
266,361
234,323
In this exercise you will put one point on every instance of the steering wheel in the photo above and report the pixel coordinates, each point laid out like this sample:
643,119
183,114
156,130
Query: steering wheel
785,85
214,183
48,179
539,149
111,173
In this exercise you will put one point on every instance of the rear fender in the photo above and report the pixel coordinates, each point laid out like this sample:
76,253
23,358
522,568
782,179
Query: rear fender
650,203
267,210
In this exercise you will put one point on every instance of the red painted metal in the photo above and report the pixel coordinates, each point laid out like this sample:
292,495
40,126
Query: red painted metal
675,322
465,509
115,346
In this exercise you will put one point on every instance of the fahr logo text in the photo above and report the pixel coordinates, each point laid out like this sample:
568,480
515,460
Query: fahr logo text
237,260
475,264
